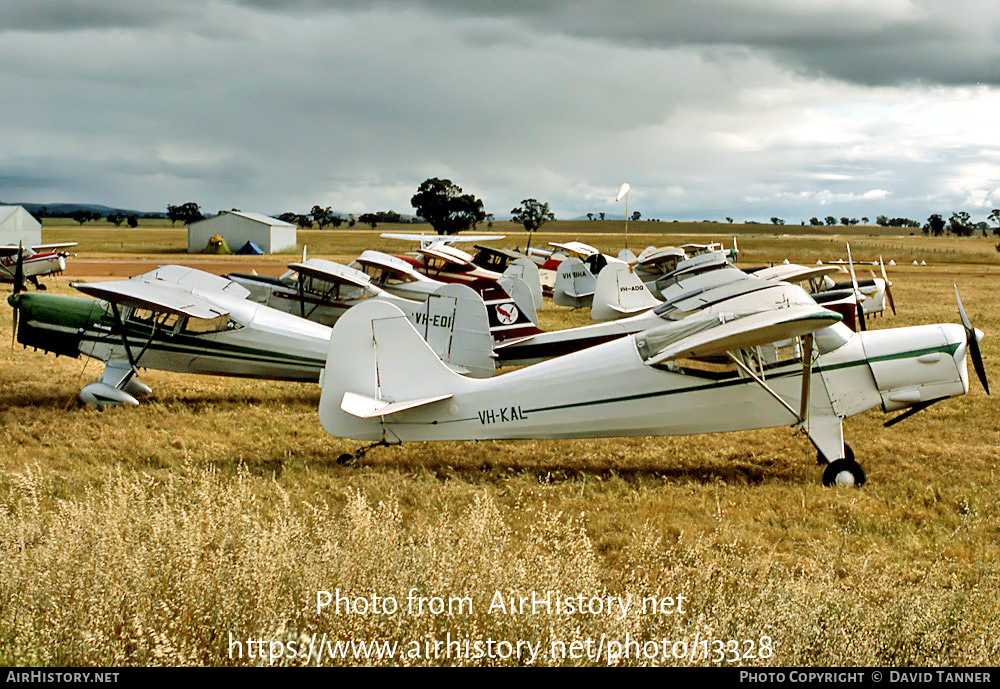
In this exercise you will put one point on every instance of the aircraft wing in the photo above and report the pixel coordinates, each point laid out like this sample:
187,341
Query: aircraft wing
580,248
7,249
427,239
790,272
151,296
653,257
50,247
673,342
447,253
191,278
329,270
384,260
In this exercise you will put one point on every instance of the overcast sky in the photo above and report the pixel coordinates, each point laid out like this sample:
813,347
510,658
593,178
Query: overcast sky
708,109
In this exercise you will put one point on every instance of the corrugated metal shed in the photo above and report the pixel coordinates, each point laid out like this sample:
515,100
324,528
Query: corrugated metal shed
238,228
18,225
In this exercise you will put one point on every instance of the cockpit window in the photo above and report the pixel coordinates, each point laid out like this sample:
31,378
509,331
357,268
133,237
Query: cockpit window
201,326
147,317
381,275
832,337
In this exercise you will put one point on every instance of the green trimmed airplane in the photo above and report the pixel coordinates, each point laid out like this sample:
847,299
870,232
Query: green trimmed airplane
181,319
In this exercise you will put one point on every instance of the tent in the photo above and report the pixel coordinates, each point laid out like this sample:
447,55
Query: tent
249,249
216,245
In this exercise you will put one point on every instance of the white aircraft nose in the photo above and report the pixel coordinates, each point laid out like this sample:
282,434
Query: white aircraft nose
979,334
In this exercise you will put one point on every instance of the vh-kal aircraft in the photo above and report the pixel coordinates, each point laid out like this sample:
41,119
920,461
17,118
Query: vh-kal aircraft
716,370
181,319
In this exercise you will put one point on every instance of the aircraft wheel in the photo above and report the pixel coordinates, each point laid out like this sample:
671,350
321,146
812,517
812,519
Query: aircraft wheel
844,472
848,454
345,459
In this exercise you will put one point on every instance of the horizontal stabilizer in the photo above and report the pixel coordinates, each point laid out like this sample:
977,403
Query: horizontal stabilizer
365,407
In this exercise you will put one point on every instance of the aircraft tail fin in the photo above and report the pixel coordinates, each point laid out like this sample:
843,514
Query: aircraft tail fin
456,325
378,364
522,296
627,256
574,285
620,293
526,270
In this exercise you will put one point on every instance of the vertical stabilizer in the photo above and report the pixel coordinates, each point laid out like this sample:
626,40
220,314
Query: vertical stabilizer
620,293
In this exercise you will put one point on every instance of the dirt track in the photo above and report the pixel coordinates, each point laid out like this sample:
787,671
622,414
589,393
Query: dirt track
127,267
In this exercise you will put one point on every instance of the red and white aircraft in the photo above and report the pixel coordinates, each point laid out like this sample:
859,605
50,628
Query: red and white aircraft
36,261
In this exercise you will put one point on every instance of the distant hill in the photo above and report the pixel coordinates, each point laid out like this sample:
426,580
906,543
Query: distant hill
67,209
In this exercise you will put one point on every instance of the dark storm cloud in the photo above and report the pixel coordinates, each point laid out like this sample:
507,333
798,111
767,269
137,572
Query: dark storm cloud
76,15
874,43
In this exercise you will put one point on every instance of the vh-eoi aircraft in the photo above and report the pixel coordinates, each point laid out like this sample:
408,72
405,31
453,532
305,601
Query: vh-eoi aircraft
713,371
181,319
37,261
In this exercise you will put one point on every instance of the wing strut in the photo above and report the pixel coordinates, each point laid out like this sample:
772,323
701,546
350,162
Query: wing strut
133,359
760,381
807,358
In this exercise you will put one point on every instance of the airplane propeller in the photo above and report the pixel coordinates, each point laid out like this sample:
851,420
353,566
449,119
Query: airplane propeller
18,288
857,292
888,287
972,338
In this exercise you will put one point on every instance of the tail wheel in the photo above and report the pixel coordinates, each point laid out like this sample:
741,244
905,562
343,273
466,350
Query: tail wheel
844,473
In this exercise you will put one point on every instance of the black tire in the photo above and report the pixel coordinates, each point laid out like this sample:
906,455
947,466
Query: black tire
345,459
844,472
848,454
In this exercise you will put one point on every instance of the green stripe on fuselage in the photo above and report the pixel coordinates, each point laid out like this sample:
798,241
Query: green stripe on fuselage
100,327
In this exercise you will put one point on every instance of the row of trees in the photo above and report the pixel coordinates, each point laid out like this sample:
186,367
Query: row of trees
443,204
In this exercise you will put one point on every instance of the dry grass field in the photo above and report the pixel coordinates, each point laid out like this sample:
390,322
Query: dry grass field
215,511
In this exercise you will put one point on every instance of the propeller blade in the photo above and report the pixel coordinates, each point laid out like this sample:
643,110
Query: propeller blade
13,334
857,292
973,341
18,288
19,270
888,287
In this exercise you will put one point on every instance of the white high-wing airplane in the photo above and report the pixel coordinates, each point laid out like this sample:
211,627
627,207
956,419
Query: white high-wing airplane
36,261
323,290
714,371
182,319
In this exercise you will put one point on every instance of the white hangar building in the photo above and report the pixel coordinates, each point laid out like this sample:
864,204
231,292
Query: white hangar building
238,228
18,225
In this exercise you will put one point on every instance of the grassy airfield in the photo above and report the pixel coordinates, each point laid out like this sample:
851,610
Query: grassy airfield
148,535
